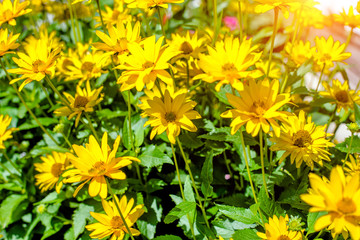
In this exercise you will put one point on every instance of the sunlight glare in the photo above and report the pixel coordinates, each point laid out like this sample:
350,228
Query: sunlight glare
335,6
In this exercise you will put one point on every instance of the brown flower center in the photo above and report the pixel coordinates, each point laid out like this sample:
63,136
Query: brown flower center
325,57
302,138
258,107
346,206
38,66
116,222
87,67
66,63
342,96
170,117
283,237
148,65
228,67
56,169
186,48
99,168
115,14
80,101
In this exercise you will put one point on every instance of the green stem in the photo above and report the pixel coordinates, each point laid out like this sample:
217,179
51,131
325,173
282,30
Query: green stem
330,119
101,18
11,162
72,21
231,173
92,127
67,140
193,182
46,94
118,208
65,102
349,38
215,16
181,188
276,16
322,73
348,152
26,106
262,162
187,74
283,83
161,22
240,21
129,116
77,25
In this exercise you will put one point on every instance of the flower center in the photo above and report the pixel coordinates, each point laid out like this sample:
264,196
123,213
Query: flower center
228,67
80,101
342,96
148,64
99,168
170,117
115,14
66,64
302,138
346,206
283,237
325,57
87,67
116,222
186,48
56,169
258,107
38,66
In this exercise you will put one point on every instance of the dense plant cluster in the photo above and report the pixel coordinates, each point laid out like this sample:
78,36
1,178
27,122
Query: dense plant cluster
172,119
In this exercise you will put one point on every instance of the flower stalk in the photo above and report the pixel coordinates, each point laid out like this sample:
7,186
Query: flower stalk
276,17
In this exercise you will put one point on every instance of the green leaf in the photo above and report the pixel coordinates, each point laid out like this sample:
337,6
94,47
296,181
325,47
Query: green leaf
190,140
8,208
167,237
188,190
344,146
126,135
108,114
147,223
207,175
311,219
79,218
139,132
44,121
357,113
243,215
153,157
180,210
245,234
267,205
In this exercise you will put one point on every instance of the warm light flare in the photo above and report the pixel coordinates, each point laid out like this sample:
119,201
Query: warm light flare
335,6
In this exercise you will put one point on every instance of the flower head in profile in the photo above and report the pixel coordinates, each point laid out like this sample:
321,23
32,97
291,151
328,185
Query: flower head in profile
341,94
84,101
278,229
348,19
313,17
169,112
112,16
39,61
327,52
146,4
352,167
116,43
5,132
258,107
229,62
9,11
283,5
50,169
95,162
111,222
298,53
303,141
7,42
339,197
145,65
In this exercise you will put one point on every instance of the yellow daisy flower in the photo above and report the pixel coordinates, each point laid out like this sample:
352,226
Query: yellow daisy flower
284,5
348,19
146,64
303,141
114,15
145,4
9,11
278,229
313,17
169,113
51,40
257,107
275,71
39,61
116,43
80,1
111,223
353,167
188,46
229,62
50,169
94,162
85,100
341,94
7,42
5,133
327,52
298,53
340,198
